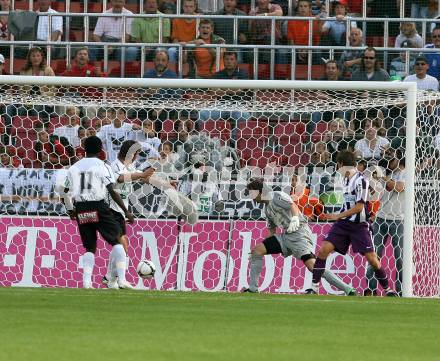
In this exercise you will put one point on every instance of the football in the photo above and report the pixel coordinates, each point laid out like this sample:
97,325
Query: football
146,269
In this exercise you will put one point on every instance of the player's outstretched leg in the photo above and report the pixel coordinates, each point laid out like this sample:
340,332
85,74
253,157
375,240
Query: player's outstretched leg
329,276
256,260
380,273
88,264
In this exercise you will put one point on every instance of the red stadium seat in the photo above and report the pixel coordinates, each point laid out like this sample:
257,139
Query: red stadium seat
168,132
217,129
320,129
289,136
261,158
299,160
252,134
19,122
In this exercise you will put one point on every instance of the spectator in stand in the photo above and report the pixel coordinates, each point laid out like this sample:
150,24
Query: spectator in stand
183,127
82,66
434,58
146,30
423,80
408,32
204,59
361,119
113,135
260,30
332,73
150,143
370,69
320,156
372,146
338,138
70,130
398,69
5,5
183,30
160,69
336,30
35,65
148,134
225,27
208,6
318,8
167,159
389,220
231,71
104,116
350,60
43,31
419,9
298,30
53,152
111,30
80,152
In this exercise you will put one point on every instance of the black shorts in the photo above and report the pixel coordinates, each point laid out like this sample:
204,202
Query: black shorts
272,245
95,217
121,221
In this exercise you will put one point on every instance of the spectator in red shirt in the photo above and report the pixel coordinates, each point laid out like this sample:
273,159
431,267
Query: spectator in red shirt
52,151
82,67
82,135
298,30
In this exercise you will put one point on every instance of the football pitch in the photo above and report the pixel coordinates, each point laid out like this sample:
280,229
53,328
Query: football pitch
76,324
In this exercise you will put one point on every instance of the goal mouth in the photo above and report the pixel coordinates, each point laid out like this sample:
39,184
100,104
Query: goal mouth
220,133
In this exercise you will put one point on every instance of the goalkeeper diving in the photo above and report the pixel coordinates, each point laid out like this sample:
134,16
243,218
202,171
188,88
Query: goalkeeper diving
295,238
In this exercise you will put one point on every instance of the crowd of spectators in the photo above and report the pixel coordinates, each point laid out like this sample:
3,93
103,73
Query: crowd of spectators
369,132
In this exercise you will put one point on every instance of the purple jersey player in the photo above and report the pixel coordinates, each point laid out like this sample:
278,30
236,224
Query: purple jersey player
352,225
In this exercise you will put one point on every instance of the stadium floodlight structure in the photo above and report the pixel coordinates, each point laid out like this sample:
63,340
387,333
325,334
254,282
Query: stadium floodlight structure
269,105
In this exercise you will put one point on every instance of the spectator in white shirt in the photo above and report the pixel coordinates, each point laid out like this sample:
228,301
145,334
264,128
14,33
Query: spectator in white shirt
111,29
43,31
372,146
113,135
423,80
70,130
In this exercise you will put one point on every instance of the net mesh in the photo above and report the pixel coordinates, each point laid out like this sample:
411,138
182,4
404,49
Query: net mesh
212,141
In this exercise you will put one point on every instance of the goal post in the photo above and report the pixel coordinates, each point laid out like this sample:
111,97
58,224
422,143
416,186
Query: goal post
267,106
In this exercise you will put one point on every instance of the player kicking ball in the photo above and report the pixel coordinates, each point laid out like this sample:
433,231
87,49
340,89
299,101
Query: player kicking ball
352,224
125,173
296,238
88,182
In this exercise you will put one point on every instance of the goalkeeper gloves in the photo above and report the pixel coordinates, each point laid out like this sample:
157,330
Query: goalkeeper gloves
294,224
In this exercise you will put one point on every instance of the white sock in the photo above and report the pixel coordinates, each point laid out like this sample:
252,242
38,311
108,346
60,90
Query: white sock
256,267
88,264
119,259
111,266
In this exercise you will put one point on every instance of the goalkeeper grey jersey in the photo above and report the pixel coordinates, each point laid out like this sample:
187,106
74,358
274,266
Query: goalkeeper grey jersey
278,211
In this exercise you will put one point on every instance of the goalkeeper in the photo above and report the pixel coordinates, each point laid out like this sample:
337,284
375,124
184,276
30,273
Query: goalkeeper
296,238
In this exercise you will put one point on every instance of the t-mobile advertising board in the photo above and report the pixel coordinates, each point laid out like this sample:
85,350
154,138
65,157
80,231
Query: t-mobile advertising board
210,256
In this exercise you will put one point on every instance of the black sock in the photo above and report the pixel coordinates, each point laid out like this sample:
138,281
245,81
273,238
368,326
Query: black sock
318,270
382,278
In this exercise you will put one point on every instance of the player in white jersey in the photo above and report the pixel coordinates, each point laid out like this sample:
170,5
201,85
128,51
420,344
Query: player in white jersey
352,224
87,184
113,135
125,173
295,239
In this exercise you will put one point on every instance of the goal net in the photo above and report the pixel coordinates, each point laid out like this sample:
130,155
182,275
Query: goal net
211,137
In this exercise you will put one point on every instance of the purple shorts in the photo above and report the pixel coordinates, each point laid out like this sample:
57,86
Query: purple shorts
343,233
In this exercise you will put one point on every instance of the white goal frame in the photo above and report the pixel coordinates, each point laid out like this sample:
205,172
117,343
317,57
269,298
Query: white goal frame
410,90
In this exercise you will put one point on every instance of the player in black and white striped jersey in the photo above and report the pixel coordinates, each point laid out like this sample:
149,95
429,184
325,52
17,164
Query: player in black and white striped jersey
125,173
85,188
352,224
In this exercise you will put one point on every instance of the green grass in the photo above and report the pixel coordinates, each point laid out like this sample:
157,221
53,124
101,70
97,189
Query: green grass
76,324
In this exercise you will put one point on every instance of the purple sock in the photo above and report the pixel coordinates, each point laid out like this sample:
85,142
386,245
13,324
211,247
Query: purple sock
382,278
318,270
